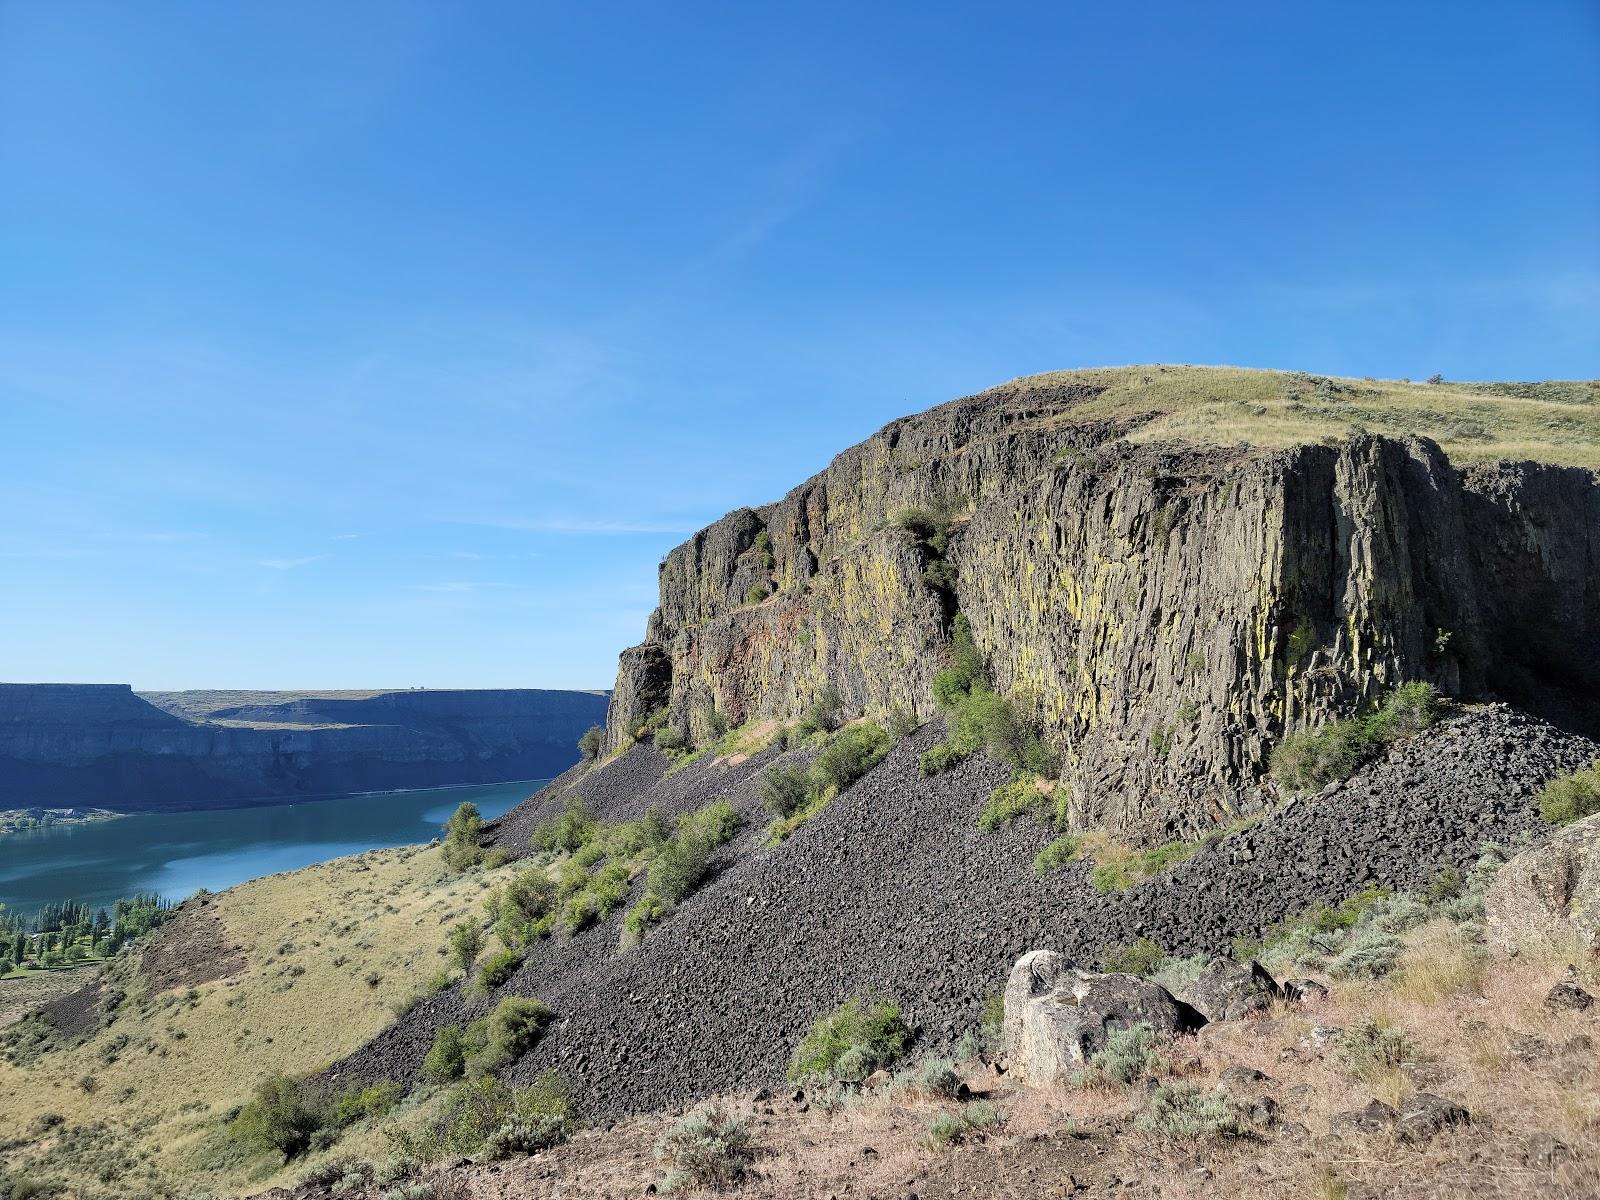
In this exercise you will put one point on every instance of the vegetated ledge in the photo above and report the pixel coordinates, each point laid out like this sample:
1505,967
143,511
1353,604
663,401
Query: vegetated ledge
1164,612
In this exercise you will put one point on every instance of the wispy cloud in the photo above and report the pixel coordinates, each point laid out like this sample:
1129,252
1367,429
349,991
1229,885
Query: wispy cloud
347,537
585,525
465,588
289,564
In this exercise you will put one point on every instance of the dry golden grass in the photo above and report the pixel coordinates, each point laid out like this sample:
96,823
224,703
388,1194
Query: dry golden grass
1549,422
329,950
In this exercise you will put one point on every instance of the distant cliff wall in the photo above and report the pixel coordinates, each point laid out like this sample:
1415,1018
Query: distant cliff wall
1164,612
105,745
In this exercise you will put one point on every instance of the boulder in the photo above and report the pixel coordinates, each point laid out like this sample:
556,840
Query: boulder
1057,1016
1229,991
1425,1115
1550,895
1567,996
1374,1118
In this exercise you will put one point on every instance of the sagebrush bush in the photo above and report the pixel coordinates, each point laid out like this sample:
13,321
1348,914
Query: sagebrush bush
850,1043
937,1076
526,1135
978,718
1571,797
706,1149
472,1112
1180,1110
1127,1054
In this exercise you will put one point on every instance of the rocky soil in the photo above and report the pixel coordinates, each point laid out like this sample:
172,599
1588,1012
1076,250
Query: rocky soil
893,890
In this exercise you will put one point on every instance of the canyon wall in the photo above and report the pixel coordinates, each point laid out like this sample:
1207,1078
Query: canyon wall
1165,613
105,745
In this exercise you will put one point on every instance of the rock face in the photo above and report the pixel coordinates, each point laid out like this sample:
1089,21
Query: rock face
1551,893
1057,1016
104,745
1165,613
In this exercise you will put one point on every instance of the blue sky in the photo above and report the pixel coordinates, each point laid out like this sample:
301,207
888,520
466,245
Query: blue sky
393,344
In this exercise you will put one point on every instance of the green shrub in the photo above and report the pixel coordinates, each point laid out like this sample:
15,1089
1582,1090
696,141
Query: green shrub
671,739
822,715
1182,1111
1127,1054
474,1112
466,939
1012,800
1370,1048
978,719
1142,956
496,1041
593,900
650,910
461,834
592,740
784,789
763,547
357,1103
707,1149
1307,760
526,1135
994,1013
850,1043
901,722
850,755
937,1076
756,594
447,1058
683,862
521,906
1057,854
1571,797
497,968
947,1129
277,1118
569,832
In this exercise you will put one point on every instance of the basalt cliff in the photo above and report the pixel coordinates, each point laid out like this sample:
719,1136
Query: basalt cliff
106,745
1165,612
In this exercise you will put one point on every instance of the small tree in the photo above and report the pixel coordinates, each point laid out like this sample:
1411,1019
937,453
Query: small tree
277,1118
466,940
592,740
461,833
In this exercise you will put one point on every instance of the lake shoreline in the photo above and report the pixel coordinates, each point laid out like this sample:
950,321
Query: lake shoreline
173,854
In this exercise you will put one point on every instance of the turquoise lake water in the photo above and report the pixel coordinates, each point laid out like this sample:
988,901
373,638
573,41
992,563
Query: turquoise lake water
176,853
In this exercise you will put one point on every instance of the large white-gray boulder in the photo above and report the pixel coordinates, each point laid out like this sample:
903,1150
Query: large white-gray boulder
1549,896
1057,1016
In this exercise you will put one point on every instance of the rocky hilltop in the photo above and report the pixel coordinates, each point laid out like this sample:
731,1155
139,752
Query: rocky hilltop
1164,611
103,744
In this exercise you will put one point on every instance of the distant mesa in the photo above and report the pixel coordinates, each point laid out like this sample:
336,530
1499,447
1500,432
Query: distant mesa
107,746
